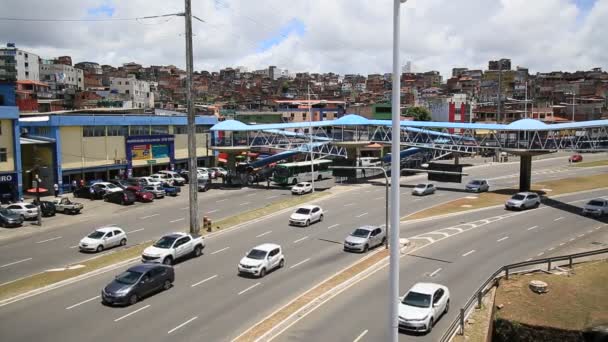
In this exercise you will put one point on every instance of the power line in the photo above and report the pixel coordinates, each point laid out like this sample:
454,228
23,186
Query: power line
89,19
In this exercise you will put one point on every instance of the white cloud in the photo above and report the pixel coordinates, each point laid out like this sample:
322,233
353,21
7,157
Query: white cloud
344,36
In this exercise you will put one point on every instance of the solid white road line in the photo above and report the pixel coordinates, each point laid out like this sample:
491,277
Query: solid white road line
131,313
271,197
135,231
550,249
73,246
225,199
245,203
528,259
379,198
300,263
146,217
541,253
572,239
580,235
84,301
249,288
301,239
179,219
361,336
204,280
220,250
51,239
468,253
266,233
16,262
361,215
559,218
502,239
213,211
333,226
349,204
435,272
534,227
181,325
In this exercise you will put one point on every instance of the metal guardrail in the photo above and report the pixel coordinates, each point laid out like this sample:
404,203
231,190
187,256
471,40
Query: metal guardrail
457,325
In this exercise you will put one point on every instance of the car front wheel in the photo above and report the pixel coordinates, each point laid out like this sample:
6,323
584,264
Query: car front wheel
133,299
282,263
430,327
262,273
99,248
123,242
168,261
166,285
447,307
198,250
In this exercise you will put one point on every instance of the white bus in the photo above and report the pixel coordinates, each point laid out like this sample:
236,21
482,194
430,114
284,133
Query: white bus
293,173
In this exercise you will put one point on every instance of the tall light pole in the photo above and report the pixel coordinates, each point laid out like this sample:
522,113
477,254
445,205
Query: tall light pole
312,155
192,174
395,146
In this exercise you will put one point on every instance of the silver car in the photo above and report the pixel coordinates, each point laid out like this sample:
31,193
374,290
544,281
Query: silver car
596,207
477,185
364,238
523,200
424,189
156,190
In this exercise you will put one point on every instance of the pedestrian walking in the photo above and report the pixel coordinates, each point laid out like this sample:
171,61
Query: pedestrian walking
56,188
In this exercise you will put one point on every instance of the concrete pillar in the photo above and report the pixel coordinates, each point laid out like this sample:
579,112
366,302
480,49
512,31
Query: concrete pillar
456,158
231,162
525,172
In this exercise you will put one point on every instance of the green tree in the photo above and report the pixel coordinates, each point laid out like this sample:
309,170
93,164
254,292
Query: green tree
419,113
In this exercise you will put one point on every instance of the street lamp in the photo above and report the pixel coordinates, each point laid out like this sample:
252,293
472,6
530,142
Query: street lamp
312,155
573,104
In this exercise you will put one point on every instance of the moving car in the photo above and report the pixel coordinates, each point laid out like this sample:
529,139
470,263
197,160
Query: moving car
262,259
575,158
203,184
9,218
170,190
64,205
305,215
85,192
301,188
121,197
103,238
136,283
25,210
172,247
106,187
422,306
174,177
424,189
523,200
156,190
596,207
364,238
47,208
477,185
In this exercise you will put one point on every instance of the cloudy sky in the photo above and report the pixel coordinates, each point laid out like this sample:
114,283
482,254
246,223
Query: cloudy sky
343,36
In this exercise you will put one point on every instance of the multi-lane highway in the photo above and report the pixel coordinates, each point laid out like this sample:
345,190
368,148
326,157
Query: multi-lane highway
209,301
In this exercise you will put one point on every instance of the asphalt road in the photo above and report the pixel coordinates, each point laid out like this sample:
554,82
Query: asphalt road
461,262
209,301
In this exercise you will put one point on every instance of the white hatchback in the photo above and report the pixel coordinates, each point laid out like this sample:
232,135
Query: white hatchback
301,188
422,306
103,238
262,259
305,215
26,210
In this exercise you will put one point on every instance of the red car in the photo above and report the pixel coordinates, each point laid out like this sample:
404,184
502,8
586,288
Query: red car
575,158
140,195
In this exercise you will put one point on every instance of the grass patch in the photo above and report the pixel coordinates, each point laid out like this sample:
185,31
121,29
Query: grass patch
591,164
572,303
478,331
488,199
262,327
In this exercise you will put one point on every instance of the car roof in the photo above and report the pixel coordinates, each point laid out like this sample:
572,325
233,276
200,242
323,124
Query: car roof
426,288
108,229
267,247
142,268
308,206
175,235
368,227
20,203
526,193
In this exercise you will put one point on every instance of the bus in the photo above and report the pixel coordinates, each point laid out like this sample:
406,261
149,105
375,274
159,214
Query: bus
293,173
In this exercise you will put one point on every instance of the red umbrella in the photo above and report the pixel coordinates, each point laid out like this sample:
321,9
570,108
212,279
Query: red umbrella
33,190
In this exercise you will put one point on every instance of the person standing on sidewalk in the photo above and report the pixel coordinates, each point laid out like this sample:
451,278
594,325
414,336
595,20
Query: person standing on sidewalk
56,188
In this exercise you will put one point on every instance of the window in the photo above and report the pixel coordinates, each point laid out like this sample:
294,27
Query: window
3,154
201,129
116,232
127,91
127,83
27,64
26,56
437,296
94,131
109,234
160,129
117,131
139,130
180,130
27,74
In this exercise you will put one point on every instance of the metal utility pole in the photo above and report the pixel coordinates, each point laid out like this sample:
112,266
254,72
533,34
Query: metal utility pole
573,104
526,101
395,173
499,90
192,174
312,155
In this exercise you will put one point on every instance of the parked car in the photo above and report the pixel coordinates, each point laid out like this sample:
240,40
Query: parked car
206,171
26,210
220,171
364,238
136,283
85,192
575,158
106,187
185,175
523,200
176,178
423,189
422,306
262,259
122,197
301,188
171,190
103,238
305,215
122,183
203,184
596,207
477,185
148,181
47,208
156,190
202,173
64,205
174,246
9,218
140,194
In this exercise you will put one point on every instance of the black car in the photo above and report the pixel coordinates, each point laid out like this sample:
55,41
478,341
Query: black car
46,208
123,184
120,197
185,175
9,218
136,283
85,192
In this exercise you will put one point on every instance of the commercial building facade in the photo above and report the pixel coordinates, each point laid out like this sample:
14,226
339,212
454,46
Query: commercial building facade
11,185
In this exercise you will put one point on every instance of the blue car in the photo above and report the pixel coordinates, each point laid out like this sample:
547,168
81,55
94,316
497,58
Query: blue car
171,190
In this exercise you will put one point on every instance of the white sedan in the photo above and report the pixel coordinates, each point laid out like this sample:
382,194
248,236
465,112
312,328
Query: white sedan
305,215
26,210
301,188
107,187
103,238
422,306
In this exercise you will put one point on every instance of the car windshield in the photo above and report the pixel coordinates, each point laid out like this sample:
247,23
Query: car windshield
475,182
129,277
30,206
256,254
421,186
518,197
419,300
360,233
596,203
165,242
303,211
96,235
301,185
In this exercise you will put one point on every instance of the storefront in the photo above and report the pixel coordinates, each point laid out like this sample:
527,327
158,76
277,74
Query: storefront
8,187
147,154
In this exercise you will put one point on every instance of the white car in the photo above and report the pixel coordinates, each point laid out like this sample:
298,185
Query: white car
596,207
523,200
103,238
262,259
174,177
26,210
172,247
149,181
301,188
107,187
305,215
424,189
422,306
202,173
220,171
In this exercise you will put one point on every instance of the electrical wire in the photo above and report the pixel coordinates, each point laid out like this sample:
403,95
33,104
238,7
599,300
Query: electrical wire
90,19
